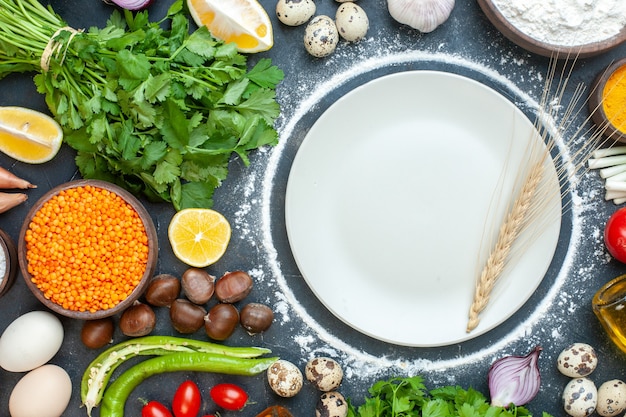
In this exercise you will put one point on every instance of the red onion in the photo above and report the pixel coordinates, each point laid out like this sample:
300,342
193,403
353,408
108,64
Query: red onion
130,4
514,379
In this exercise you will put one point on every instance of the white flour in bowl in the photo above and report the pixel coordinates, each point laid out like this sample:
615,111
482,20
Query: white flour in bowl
565,22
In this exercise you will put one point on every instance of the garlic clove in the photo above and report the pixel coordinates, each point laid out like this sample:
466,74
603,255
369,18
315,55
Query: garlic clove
423,15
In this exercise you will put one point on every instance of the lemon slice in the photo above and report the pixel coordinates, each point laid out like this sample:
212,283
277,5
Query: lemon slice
28,135
199,237
244,22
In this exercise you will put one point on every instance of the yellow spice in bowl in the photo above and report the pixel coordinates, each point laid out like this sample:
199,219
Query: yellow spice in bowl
614,99
87,249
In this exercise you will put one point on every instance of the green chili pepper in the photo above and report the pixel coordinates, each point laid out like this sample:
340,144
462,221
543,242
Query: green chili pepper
98,373
116,395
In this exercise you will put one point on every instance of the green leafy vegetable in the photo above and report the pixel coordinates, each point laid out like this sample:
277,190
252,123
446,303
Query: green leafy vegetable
151,106
404,397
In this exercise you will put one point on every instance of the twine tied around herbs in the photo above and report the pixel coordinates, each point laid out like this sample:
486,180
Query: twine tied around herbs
54,47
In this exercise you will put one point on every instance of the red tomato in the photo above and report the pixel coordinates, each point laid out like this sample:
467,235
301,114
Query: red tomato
155,409
229,396
187,400
615,235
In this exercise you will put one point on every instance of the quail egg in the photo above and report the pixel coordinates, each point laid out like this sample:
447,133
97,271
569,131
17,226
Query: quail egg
284,378
324,373
611,398
321,36
331,404
295,12
352,22
578,359
580,397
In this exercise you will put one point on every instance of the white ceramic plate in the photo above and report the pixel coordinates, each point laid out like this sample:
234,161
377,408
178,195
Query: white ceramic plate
387,200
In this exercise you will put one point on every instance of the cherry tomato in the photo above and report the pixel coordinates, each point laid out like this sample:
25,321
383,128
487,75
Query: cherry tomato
615,235
187,400
155,409
229,396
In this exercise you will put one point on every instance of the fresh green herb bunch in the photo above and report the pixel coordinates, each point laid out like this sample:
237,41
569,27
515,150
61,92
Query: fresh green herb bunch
152,106
409,397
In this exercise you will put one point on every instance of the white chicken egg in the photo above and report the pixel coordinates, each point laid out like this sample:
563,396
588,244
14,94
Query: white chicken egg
43,392
352,22
580,397
321,36
30,341
295,12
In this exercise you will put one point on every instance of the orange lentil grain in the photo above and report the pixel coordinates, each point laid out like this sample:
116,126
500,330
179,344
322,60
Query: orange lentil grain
86,248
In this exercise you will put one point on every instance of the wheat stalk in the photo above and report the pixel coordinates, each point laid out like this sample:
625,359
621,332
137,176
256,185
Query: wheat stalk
508,234
530,202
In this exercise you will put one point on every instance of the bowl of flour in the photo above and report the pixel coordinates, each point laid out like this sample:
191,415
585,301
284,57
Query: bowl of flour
560,28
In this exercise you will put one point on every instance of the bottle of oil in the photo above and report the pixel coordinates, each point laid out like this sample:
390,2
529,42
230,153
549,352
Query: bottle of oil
609,305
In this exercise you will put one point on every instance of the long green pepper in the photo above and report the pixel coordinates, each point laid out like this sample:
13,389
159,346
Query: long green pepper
98,373
118,392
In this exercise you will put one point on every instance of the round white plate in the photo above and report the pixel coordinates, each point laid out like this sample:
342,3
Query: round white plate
389,197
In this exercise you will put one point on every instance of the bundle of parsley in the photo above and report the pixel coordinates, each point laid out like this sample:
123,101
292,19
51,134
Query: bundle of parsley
152,106
409,397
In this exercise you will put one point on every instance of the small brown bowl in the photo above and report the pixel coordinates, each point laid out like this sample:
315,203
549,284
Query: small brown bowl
596,107
10,256
545,49
151,256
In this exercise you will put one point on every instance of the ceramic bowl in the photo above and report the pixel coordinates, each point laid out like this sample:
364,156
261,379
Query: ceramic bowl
596,108
145,278
545,49
7,246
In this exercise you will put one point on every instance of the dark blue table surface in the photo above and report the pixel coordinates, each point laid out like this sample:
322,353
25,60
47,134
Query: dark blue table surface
558,314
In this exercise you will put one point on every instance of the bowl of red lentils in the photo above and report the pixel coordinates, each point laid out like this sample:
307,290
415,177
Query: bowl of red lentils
87,249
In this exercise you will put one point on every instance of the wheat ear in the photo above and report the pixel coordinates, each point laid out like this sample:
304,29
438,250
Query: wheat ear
507,235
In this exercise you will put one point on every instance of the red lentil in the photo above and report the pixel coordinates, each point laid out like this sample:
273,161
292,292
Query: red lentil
86,248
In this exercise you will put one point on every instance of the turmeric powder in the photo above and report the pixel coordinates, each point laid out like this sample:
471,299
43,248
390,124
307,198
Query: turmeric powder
614,99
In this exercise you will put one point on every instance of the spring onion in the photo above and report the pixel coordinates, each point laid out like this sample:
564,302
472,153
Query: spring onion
611,163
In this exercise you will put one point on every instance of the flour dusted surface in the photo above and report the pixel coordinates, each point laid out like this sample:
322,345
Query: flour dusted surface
566,22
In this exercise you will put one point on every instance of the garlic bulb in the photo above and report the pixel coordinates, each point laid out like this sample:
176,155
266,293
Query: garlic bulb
423,15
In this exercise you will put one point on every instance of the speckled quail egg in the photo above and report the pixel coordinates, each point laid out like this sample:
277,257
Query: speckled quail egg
324,373
331,404
295,12
578,359
321,36
284,378
352,22
611,398
580,397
